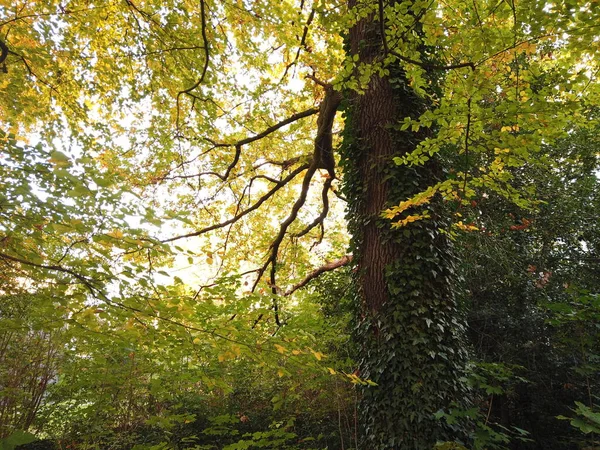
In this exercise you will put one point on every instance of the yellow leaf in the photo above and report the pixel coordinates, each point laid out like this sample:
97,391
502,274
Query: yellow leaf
296,352
280,349
196,341
280,372
410,219
331,371
117,234
466,227
318,355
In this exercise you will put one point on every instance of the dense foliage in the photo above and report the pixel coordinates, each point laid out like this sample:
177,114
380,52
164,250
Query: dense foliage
174,263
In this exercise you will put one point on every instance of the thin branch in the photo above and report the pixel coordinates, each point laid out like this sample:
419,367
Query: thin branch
4,51
147,16
285,164
62,12
512,47
272,260
205,286
338,195
97,293
271,129
189,90
319,82
319,220
302,45
265,133
68,249
426,66
84,280
32,73
247,211
238,147
328,267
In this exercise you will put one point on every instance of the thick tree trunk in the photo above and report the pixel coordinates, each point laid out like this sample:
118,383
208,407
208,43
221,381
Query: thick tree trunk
409,331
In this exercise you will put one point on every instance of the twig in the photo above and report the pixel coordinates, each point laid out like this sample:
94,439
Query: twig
247,211
429,66
238,146
84,280
189,90
301,46
409,60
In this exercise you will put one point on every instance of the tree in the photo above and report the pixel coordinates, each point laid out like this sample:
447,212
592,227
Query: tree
409,328
531,288
418,82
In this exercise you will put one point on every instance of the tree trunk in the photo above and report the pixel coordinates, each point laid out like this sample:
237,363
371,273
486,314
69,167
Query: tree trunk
409,331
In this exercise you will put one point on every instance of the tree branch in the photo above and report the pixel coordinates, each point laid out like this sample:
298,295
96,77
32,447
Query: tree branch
428,66
322,158
328,267
84,280
302,45
271,129
4,51
189,90
319,220
238,146
265,133
285,164
409,60
272,260
247,211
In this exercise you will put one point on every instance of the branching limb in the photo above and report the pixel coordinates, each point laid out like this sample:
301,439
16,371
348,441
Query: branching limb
87,282
319,220
322,159
426,66
189,90
302,45
238,147
318,272
247,211
272,260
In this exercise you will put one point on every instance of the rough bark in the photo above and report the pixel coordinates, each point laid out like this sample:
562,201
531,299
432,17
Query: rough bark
409,331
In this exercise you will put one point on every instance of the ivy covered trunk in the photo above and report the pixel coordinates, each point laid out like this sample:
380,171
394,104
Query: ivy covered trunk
408,328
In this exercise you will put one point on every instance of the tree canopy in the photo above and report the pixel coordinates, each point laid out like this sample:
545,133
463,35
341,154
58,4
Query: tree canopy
344,217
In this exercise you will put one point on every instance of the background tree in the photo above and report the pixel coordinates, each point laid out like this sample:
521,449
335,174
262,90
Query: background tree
527,280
